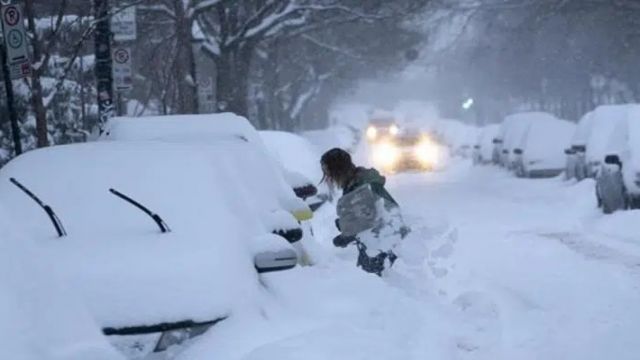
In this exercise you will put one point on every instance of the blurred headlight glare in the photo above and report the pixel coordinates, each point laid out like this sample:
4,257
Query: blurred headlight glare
372,133
385,155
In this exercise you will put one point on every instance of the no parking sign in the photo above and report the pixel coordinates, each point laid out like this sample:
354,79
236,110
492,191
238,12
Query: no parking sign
122,73
15,40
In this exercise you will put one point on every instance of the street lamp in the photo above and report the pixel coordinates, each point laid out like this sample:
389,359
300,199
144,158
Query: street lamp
467,104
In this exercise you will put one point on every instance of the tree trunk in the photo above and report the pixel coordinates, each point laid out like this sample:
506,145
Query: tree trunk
233,79
36,86
185,64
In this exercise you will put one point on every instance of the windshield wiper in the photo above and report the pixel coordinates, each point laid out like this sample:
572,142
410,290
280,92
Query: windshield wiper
52,215
164,228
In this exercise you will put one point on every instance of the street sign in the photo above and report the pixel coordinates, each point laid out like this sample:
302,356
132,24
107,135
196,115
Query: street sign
122,73
15,40
123,24
206,96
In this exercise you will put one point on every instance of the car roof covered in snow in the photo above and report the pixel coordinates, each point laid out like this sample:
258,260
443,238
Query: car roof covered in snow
295,153
200,129
179,128
128,272
515,126
604,136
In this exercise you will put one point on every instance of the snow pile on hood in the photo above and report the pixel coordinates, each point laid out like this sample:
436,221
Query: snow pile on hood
214,198
294,153
42,317
545,142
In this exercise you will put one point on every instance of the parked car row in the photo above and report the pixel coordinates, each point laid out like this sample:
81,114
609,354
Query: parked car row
529,144
604,146
165,224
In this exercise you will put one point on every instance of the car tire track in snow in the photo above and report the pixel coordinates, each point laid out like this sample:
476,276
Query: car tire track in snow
593,250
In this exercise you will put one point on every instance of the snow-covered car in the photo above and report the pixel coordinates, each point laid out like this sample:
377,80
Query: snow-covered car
513,133
382,125
541,153
576,155
162,241
204,129
485,148
605,120
618,178
301,162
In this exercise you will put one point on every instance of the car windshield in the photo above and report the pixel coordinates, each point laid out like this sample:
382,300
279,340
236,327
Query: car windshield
408,140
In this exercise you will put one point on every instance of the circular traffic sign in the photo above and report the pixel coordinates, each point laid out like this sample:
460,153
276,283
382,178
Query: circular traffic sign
15,39
11,15
121,56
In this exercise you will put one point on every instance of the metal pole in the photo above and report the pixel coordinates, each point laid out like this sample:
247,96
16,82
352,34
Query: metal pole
103,73
13,116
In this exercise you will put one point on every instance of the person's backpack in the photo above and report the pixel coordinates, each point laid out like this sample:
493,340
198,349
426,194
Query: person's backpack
357,211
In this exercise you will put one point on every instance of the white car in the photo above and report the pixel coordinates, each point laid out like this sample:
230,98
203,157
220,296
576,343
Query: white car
605,120
513,134
618,178
541,152
162,241
204,129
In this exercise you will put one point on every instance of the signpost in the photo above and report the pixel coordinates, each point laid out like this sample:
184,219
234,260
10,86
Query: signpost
15,62
122,73
15,39
123,24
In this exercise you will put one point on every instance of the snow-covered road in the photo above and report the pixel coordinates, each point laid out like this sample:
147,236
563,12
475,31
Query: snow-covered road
561,283
514,269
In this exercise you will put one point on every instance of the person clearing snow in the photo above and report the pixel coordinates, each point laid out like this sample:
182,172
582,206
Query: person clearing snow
368,216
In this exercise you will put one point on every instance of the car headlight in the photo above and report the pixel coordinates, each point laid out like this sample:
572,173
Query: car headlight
394,130
385,155
176,337
372,133
426,152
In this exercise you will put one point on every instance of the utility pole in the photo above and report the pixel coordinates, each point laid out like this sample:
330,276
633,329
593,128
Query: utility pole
104,76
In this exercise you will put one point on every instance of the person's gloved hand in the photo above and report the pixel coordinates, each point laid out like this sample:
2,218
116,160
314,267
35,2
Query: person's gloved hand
343,241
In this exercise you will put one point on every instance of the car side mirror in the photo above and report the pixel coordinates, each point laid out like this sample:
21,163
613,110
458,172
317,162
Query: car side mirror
278,260
496,141
305,191
612,160
505,151
517,151
477,147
